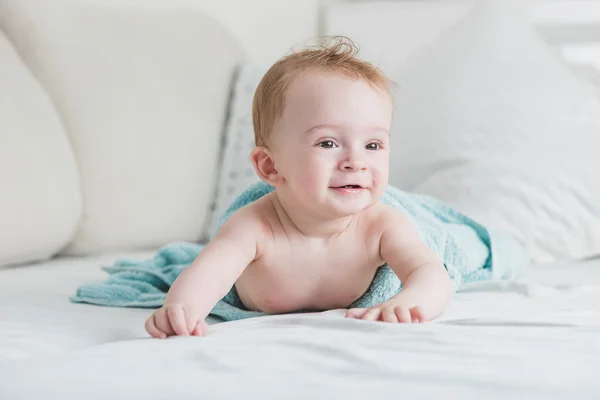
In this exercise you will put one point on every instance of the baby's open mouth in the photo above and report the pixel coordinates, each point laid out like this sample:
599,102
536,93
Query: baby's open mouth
349,187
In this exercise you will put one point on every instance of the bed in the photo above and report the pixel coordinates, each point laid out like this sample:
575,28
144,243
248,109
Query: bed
537,337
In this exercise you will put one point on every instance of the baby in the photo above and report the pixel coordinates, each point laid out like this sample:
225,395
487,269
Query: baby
322,129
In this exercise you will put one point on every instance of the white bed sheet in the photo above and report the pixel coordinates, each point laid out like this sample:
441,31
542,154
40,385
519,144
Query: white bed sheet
535,338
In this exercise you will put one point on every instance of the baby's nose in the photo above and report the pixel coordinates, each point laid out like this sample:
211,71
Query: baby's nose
353,164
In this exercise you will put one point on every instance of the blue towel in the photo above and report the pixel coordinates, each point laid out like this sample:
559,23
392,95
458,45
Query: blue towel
470,252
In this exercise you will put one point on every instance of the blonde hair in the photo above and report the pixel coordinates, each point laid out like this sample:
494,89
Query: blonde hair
337,55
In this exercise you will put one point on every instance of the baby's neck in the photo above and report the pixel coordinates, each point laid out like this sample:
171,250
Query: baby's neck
308,224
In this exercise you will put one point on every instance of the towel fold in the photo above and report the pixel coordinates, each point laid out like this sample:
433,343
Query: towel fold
470,252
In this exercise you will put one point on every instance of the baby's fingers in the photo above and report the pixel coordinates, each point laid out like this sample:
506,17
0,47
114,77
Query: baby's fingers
177,319
152,329
200,328
356,313
372,314
403,314
417,315
161,320
388,315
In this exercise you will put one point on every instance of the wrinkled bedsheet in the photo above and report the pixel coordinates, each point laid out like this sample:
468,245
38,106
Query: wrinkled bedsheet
537,337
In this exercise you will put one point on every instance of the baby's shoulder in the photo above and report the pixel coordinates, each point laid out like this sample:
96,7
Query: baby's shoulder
380,212
381,217
251,217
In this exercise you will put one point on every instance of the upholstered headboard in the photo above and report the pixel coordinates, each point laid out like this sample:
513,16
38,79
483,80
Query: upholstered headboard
111,114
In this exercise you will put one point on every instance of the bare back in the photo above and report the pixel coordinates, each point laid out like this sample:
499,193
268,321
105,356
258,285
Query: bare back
294,272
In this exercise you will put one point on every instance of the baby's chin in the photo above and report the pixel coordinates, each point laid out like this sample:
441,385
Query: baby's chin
349,205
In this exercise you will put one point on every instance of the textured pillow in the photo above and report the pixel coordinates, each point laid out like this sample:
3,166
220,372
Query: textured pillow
237,171
40,202
490,120
142,89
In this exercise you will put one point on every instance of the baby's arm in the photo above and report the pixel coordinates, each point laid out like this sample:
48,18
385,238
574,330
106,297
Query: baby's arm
426,286
210,277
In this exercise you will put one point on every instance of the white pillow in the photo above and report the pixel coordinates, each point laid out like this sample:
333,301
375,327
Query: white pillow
143,90
40,202
237,171
490,120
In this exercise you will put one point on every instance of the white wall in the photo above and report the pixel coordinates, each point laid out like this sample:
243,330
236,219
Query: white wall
572,26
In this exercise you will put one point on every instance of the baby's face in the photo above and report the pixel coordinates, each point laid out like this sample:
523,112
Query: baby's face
332,143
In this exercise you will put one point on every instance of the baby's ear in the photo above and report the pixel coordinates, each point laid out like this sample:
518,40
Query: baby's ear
265,165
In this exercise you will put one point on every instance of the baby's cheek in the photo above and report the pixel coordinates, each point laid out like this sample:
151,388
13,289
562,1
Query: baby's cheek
309,181
315,172
380,178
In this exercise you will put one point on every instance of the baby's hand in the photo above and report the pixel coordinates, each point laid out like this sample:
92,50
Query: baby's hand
390,311
175,320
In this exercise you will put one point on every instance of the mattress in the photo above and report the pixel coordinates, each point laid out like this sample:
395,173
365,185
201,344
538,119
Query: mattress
536,337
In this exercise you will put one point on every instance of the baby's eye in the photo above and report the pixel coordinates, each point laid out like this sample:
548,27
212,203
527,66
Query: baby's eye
327,144
373,146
